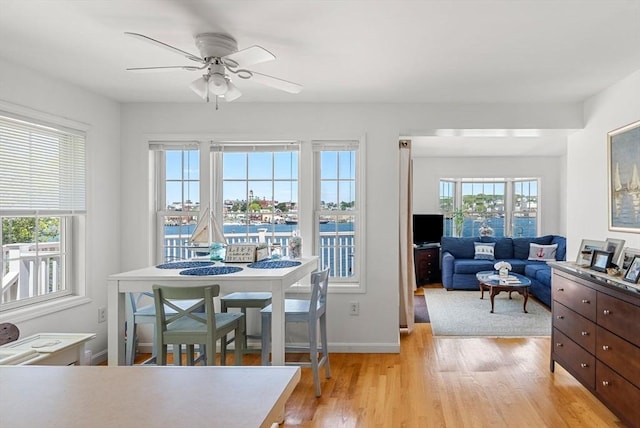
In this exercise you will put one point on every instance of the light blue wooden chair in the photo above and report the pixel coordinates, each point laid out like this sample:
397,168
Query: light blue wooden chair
193,326
244,301
136,314
313,312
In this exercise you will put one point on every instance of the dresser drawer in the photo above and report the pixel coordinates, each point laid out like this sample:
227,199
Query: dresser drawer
574,296
620,395
574,359
620,317
576,327
618,354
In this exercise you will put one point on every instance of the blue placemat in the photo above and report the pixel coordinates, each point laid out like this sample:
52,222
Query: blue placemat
183,265
274,264
213,270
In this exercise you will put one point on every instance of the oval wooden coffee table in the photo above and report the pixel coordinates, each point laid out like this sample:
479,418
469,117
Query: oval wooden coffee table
490,281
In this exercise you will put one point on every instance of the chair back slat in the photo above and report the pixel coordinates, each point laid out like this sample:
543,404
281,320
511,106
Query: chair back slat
165,297
319,286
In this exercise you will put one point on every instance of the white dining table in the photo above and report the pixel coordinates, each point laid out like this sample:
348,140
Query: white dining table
277,281
144,396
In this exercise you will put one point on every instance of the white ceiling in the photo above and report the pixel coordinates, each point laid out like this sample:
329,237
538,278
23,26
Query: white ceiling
341,51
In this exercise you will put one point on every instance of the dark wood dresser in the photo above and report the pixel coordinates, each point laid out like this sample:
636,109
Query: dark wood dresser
596,336
427,264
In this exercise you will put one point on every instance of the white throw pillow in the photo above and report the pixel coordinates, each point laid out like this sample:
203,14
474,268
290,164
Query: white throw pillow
543,253
484,250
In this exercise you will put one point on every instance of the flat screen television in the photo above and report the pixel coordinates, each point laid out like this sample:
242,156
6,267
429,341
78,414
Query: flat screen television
427,228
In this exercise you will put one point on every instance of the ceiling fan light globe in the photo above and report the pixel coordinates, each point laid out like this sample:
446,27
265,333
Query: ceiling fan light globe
200,87
218,84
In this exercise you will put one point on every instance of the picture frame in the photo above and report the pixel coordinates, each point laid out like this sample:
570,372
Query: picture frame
601,260
632,274
586,250
614,246
627,257
240,253
623,150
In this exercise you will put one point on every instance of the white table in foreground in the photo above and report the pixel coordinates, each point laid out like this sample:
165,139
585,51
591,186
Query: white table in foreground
274,280
144,396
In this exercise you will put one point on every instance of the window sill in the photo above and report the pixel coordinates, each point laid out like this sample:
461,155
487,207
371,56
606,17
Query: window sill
334,288
38,310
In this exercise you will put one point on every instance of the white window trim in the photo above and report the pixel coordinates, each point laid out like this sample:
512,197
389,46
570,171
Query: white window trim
76,276
306,189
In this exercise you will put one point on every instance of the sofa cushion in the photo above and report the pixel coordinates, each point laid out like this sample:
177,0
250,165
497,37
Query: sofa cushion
470,266
503,248
521,245
561,254
518,265
541,271
460,248
543,253
484,250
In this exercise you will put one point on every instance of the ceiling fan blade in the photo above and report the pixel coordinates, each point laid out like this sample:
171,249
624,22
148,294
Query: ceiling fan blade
274,82
232,93
167,68
166,46
249,56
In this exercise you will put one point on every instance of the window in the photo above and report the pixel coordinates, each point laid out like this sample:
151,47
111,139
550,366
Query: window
259,194
178,197
490,206
337,209
42,201
254,190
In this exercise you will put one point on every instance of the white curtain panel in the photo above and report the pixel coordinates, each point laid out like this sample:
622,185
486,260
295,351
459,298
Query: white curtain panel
406,278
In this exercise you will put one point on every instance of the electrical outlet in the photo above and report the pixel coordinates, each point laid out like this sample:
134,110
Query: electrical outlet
102,314
354,308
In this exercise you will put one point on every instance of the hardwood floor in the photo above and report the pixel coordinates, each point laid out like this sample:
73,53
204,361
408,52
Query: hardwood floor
446,382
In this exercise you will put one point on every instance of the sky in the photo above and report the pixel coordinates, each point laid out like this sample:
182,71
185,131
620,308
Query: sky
267,172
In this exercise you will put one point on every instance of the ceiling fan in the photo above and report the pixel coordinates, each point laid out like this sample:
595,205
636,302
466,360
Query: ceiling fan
221,60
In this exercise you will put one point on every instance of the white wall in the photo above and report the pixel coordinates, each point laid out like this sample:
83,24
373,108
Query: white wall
587,191
118,199
31,89
428,171
376,328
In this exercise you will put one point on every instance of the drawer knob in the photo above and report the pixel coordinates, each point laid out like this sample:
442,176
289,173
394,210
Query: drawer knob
584,365
584,333
560,317
559,345
560,289
606,312
605,347
605,383
585,301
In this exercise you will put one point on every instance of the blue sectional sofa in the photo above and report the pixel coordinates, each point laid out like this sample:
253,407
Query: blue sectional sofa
459,265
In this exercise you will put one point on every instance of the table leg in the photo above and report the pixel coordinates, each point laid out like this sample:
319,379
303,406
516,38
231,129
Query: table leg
493,292
277,326
115,325
525,294
481,290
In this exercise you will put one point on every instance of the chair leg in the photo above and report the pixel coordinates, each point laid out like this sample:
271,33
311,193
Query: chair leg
313,354
239,340
190,357
161,358
266,337
325,347
177,355
132,338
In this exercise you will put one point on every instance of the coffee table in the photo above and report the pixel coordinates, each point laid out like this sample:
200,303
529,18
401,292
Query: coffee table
489,280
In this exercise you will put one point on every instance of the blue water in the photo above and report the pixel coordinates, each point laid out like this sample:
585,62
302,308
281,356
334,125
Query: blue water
523,226
253,229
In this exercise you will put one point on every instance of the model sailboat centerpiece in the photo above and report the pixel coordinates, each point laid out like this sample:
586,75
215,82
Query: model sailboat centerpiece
207,238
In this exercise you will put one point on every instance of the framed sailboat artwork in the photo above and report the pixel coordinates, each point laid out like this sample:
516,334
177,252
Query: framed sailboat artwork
623,147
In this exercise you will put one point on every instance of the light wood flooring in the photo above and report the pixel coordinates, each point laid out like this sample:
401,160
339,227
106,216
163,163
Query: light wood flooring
446,382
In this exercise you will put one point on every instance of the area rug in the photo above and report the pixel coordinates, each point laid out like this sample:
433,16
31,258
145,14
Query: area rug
420,311
462,313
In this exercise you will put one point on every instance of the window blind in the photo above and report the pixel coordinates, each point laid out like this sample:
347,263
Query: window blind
42,169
